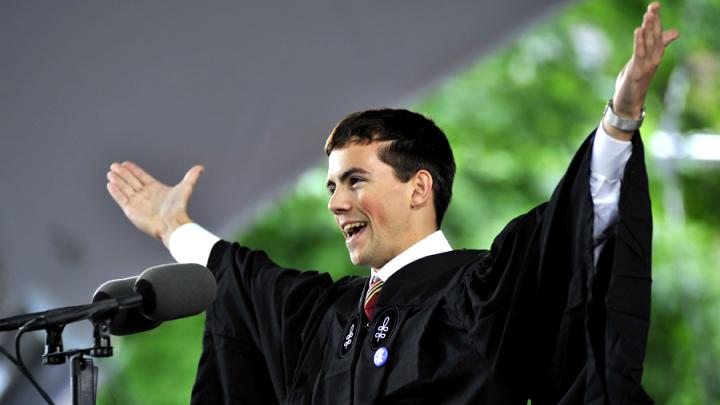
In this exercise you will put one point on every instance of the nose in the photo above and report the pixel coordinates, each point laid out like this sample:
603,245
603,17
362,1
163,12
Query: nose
339,202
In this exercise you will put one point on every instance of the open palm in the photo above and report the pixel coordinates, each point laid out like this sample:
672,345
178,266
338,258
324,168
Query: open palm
634,79
153,207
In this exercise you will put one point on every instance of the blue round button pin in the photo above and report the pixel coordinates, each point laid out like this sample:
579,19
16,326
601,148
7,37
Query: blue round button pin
380,357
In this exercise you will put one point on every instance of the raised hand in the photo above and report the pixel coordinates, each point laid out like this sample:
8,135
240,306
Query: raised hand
153,207
634,79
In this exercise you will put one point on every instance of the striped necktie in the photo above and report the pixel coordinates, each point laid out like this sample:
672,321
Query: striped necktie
371,297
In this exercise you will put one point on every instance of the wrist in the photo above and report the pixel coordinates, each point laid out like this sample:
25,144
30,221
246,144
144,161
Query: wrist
616,133
628,109
629,113
622,125
169,226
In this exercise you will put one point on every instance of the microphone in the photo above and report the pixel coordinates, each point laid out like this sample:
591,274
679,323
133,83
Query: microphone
172,291
161,293
126,321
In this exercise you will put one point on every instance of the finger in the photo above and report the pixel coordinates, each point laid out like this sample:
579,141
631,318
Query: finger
192,175
669,36
657,22
639,50
656,34
142,175
127,175
117,195
654,7
646,18
648,31
118,181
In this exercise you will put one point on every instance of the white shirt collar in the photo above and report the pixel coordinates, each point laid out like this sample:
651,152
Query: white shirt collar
431,245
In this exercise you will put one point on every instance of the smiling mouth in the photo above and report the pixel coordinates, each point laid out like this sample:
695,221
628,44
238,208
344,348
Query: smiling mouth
353,229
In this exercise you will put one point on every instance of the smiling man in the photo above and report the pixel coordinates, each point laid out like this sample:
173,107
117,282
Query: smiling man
556,311
390,175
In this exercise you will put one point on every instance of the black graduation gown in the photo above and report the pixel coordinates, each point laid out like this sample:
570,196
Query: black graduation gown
530,318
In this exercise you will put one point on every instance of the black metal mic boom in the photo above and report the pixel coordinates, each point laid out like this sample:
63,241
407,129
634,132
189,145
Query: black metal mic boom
65,315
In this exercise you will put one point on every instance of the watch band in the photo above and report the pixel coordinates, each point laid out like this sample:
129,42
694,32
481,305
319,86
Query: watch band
620,123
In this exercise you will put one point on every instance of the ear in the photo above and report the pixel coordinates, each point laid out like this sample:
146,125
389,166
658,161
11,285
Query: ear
422,189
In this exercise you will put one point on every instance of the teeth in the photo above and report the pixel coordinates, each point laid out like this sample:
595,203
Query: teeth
353,225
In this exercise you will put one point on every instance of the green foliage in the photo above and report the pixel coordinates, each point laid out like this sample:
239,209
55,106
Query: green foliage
684,343
154,367
514,121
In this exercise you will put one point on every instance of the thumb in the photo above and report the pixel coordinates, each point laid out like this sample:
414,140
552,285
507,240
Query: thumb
192,175
669,36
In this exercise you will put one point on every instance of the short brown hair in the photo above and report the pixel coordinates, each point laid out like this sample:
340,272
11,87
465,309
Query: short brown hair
416,143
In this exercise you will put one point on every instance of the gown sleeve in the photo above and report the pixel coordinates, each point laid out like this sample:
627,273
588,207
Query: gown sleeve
554,326
254,329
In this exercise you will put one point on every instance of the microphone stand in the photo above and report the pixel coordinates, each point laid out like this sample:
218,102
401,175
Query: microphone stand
83,372
171,284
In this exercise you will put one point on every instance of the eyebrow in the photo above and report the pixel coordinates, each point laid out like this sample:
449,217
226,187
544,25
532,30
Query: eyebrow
349,172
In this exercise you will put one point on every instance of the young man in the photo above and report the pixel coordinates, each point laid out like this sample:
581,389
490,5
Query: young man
556,311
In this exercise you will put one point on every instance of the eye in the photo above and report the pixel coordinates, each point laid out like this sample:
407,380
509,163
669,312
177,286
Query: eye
331,189
355,180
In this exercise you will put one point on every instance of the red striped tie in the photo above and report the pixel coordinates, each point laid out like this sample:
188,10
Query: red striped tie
372,296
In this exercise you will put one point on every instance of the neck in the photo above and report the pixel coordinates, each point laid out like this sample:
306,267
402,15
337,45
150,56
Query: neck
431,243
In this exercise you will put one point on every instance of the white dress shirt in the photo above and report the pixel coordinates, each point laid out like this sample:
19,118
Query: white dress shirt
191,243
431,245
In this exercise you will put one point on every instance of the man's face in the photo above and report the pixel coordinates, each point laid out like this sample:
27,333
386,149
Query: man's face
371,206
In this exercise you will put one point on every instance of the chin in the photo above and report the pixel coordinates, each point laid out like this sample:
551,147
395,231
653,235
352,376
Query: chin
357,260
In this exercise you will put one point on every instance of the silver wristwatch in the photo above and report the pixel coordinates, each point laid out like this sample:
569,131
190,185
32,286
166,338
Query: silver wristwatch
620,123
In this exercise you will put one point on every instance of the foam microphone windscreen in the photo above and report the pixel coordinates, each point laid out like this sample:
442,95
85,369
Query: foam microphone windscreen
173,291
124,321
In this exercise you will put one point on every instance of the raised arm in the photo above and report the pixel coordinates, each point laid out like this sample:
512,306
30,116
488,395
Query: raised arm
634,79
153,207
609,157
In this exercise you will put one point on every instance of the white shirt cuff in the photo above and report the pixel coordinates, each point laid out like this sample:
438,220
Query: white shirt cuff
609,155
191,243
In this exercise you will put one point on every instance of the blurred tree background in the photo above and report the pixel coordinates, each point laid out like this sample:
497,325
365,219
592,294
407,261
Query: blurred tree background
514,119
